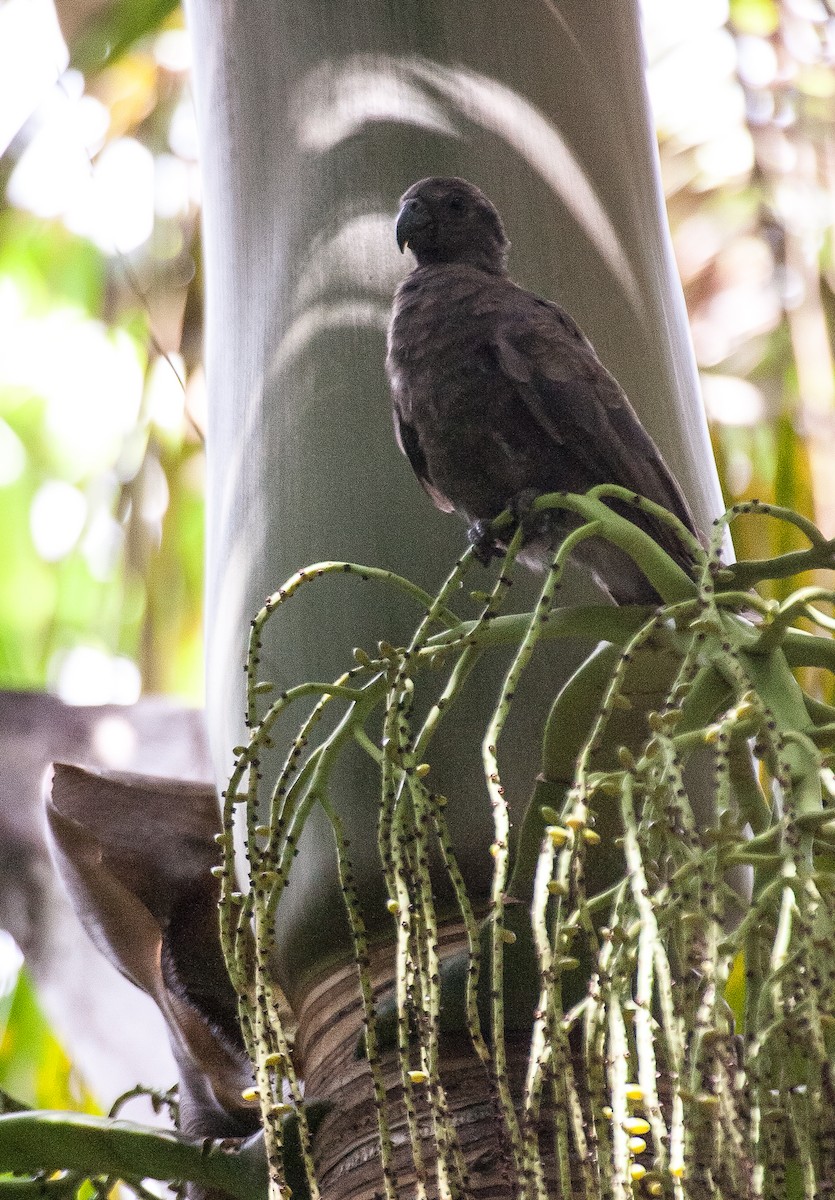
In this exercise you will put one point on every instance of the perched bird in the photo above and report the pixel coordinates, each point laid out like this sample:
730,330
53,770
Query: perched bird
498,395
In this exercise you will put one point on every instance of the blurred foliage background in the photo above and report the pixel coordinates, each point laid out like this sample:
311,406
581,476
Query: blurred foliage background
101,388
34,1067
101,459
743,94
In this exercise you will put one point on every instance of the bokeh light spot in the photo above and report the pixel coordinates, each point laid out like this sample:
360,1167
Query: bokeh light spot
165,399
115,741
172,50
56,519
89,675
118,211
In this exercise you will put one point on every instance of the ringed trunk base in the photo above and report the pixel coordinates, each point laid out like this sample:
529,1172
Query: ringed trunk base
346,1145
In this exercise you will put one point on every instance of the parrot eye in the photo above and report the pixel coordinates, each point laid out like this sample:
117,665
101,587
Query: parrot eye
456,204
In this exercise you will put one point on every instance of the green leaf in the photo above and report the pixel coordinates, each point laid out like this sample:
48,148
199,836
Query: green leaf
114,31
49,264
34,1067
39,1141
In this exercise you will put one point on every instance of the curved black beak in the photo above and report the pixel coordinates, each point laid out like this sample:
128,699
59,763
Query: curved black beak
413,217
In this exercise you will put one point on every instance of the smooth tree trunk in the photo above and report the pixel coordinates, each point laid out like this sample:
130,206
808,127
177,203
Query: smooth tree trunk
314,118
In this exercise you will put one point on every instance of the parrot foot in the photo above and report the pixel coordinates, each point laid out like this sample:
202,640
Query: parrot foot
521,504
483,542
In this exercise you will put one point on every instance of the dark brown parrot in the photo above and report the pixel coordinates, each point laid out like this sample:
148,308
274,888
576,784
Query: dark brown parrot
498,395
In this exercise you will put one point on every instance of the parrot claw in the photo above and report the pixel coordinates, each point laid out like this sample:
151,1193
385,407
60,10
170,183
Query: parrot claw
483,542
520,508
521,504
